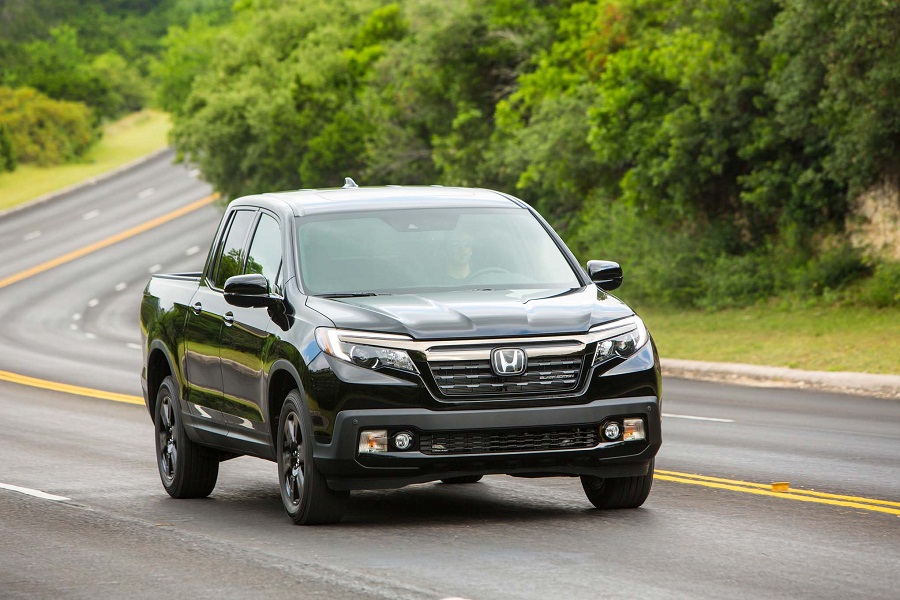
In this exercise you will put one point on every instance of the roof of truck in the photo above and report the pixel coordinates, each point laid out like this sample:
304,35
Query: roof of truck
352,199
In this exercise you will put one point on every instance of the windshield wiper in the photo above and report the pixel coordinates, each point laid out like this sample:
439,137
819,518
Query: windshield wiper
351,295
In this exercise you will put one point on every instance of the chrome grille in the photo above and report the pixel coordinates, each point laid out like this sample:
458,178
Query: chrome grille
509,440
475,377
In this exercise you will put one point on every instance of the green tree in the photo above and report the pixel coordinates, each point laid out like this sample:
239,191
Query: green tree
44,131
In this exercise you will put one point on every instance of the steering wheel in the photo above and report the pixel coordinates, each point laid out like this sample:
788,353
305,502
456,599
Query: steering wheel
487,271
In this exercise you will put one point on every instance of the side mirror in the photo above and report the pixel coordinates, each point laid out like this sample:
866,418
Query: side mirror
251,290
605,273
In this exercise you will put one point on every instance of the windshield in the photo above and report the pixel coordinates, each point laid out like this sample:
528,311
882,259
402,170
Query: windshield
435,249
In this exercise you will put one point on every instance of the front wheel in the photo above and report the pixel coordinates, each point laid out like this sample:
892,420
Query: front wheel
187,470
618,492
306,497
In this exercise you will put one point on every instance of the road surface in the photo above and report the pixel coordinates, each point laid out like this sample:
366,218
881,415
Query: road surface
83,515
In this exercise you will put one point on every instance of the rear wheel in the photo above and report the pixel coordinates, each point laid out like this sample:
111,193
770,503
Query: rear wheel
306,497
618,492
187,470
462,479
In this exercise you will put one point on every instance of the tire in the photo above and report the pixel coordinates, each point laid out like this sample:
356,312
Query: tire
305,495
187,469
462,479
618,492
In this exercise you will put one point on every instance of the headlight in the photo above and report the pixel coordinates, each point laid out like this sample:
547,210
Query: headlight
345,345
620,338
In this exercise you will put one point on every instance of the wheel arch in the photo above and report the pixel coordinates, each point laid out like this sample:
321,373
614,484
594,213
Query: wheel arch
283,378
159,366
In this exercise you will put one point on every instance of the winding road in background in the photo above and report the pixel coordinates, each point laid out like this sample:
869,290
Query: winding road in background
83,515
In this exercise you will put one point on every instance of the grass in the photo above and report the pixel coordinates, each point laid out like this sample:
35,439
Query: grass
830,338
129,138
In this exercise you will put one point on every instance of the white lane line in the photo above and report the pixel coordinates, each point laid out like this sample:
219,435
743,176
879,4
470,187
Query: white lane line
91,336
192,250
133,346
31,492
693,418
193,173
90,215
146,193
31,236
73,327
121,286
94,302
76,317
155,268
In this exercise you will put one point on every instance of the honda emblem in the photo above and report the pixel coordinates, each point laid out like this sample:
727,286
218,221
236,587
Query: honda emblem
508,361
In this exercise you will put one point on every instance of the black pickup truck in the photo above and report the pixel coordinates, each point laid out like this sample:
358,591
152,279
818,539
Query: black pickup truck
370,338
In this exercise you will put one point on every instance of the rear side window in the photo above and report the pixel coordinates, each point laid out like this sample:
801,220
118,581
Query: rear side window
230,261
265,252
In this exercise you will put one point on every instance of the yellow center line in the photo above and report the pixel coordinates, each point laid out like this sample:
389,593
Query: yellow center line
799,495
113,239
68,389
769,488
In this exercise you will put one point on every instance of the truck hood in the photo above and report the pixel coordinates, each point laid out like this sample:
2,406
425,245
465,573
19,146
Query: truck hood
475,314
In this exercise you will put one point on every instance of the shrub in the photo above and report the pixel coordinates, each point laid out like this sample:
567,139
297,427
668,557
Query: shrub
883,289
832,270
45,131
734,281
7,153
663,265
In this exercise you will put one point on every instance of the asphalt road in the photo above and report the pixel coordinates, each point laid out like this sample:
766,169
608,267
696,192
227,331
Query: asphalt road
117,534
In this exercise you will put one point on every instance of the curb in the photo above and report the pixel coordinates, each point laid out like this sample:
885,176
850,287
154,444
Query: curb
844,382
87,182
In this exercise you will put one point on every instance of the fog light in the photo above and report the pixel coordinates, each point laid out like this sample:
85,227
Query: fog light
611,431
374,440
634,430
404,440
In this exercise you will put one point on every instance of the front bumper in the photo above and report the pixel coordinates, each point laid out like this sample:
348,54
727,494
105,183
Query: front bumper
346,469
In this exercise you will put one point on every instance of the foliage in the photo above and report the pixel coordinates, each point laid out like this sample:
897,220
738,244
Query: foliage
883,289
44,131
710,146
8,160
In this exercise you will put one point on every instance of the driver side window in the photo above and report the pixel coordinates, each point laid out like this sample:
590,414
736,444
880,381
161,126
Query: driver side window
231,254
265,252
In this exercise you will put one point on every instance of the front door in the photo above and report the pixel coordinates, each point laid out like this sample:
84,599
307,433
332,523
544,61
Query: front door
205,322
244,338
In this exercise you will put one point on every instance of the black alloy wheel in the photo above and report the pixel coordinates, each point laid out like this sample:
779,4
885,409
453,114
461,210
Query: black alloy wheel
305,494
187,469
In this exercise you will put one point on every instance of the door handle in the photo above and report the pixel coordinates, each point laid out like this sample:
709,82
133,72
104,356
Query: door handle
228,318
197,308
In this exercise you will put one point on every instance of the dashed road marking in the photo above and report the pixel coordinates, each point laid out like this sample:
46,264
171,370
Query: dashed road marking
76,317
90,336
73,327
146,193
93,302
31,236
192,250
133,346
194,173
693,418
155,268
90,215
31,492
120,286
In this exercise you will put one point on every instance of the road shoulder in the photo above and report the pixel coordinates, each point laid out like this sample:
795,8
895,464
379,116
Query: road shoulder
864,384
